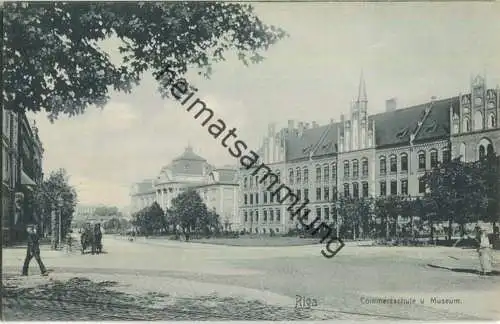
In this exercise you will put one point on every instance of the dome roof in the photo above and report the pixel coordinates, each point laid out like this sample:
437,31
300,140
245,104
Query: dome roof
189,155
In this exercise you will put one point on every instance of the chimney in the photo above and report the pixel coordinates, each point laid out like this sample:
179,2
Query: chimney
342,118
290,126
314,124
306,126
301,128
391,105
332,121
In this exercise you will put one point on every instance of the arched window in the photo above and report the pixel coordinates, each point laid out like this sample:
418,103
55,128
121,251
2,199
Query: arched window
492,123
306,175
482,152
364,167
290,176
279,175
404,162
446,155
434,158
485,147
394,163
251,182
346,169
334,171
421,160
298,175
326,173
346,190
466,126
355,190
478,121
245,183
383,166
355,168
318,173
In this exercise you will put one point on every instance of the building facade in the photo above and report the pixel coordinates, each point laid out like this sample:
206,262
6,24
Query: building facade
22,155
218,187
366,155
85,213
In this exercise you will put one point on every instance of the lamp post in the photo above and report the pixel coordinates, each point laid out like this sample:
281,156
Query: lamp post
53,226
60,204
337,205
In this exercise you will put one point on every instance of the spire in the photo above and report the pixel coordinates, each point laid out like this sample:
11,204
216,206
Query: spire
362,89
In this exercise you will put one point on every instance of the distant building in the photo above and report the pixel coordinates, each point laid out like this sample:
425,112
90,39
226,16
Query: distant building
85,213
218,187
22,155
366,155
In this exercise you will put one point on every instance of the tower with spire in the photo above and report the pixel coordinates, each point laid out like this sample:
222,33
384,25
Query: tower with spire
357,130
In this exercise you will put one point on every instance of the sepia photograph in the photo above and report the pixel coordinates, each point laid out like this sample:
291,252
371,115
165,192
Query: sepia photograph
250,161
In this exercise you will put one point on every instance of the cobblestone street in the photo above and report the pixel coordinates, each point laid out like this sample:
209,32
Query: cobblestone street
168,280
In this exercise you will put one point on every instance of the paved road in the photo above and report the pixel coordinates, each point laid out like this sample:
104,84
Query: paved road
248,280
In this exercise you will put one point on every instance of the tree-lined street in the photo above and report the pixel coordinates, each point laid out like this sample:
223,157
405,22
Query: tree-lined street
151,274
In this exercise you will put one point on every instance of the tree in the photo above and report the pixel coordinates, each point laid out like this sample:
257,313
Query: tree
46,196
52,60
150,219
457,192
388,209
114,225
191,214
106,211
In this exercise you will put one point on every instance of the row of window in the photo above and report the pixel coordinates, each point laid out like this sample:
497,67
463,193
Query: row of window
327,173
422,161
269,197
383,190
251,181
355,168
268,215
322,212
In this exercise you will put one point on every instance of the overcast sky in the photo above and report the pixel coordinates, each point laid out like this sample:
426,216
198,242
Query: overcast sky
411,51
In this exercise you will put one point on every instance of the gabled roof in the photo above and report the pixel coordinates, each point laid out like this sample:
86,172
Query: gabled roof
392,128
395,127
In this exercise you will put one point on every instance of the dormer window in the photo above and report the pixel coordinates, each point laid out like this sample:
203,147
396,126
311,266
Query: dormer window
402,133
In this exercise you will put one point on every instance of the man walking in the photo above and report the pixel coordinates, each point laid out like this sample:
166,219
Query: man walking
33,250
484,251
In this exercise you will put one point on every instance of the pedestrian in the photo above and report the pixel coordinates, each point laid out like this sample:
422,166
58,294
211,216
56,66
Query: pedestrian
484,251
69,241
33,250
